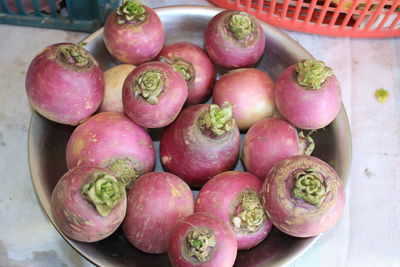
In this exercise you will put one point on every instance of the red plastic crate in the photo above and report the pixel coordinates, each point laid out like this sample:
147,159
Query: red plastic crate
351,18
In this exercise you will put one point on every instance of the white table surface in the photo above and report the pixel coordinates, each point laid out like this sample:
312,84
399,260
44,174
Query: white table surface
367,235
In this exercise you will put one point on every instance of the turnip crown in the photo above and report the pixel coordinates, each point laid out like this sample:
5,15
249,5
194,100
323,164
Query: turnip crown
149,85
200,243
104,191
310,186
131,12
241,25
312,73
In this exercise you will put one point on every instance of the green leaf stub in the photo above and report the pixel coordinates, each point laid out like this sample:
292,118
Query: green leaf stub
104,192
219,119
131,11
200,244
310,186
312,73
149,85
241,25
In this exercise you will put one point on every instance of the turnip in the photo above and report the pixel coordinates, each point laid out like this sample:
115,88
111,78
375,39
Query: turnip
202,240
303,196
308,94
202,142
251,92
88,203
64,83
234,39
112,141
269,141
155,203
133,33
194,65
154,94
234,196
114,79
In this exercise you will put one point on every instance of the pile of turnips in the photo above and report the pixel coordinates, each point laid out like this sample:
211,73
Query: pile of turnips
111,156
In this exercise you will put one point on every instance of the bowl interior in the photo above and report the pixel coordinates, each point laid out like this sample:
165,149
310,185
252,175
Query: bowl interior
47,143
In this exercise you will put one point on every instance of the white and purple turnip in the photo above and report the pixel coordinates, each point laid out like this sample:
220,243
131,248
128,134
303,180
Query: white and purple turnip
88,203
194,65
234,39
303,196
112,141
202,240
154,94
202,142
251,91
269,141
156,202
64,83
308,94
134,33
234,197
114,79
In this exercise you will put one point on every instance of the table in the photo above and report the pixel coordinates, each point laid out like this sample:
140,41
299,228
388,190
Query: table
367,235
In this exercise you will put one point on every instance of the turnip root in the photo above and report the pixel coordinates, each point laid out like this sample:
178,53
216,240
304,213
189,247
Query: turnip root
112,141
114,79
88,203
156,202
194,65
202,142
308,94
269,141
134,33
154,94
234,196
303,196
234,39
64,83
251,92
202,240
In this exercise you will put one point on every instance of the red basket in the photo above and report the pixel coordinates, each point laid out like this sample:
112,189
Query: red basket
351,18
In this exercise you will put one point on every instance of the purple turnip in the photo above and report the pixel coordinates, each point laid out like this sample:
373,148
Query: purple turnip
194,65
234,196
112,141
64,83
114,79
88,203
133,33
154,94
308,94
303,196
155,203
234,39
202,240
269,141
202,142
251,92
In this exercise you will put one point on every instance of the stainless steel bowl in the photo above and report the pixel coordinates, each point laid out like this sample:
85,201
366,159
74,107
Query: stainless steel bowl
47,143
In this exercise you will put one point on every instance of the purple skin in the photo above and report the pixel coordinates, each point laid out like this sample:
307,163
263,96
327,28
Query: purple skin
269,141
72,92
134,43
296,216
169,101
73,212
223,254
155,203
222,197
201,74
226,50
252,93
305,108
108,137
194,154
